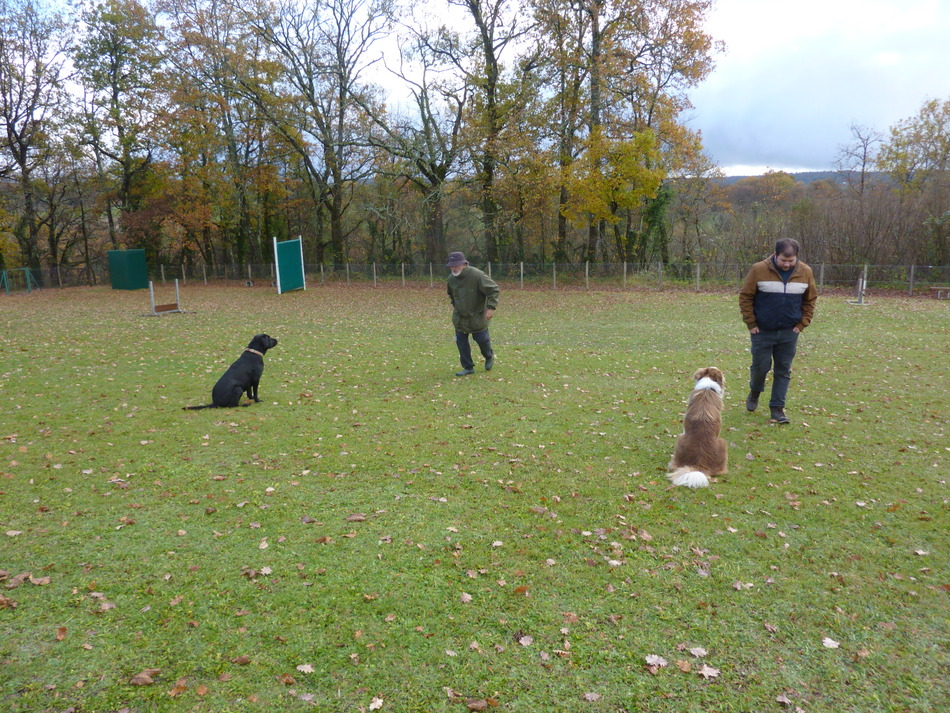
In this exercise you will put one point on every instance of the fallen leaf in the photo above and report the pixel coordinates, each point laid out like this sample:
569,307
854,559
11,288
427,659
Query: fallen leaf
305,668
466,597
783,699
61,633
355,517
684,665
376,704
654,660
145,678
708,672
526,640
591,697
241,660
829,643
698,652
181,685
202,690
287,679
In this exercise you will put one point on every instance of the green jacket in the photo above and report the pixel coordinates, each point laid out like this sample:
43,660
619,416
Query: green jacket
471,293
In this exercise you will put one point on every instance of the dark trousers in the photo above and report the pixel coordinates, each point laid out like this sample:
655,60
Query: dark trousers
773,350
465,348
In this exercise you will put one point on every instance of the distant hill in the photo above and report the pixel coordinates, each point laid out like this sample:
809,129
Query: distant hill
812,176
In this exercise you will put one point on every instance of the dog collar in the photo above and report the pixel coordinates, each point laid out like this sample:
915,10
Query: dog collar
254,351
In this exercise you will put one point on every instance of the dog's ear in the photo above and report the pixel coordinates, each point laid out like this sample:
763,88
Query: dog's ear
710,372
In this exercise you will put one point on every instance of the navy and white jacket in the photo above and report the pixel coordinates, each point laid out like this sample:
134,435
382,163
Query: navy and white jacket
769,303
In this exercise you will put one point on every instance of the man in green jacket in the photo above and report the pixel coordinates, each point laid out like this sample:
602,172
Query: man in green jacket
474,298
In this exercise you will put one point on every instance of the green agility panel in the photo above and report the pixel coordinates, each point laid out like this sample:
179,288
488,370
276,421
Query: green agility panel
288,257
128,270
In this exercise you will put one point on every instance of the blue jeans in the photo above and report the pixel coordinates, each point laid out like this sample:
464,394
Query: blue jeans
773,347
465,348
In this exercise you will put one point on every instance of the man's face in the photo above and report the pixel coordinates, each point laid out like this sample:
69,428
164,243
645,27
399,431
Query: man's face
457,269
786,262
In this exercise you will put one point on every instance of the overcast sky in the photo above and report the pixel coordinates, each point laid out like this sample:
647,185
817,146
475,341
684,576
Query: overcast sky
796,75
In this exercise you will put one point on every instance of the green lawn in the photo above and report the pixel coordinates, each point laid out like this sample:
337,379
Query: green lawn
377,534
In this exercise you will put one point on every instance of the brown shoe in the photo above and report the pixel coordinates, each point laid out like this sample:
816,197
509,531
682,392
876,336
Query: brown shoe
752,401
778,415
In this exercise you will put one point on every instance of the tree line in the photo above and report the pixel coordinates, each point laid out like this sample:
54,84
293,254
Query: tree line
388,131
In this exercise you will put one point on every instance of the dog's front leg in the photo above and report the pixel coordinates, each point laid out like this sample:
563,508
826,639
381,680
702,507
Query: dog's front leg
252,391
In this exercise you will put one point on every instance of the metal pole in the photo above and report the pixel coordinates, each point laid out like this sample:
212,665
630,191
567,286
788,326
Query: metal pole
151,295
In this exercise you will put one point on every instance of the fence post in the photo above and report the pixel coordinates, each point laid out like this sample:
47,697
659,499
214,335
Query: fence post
374,274
555,275
587,274
402,266
204,273
521,270
697,277
624,274
910,289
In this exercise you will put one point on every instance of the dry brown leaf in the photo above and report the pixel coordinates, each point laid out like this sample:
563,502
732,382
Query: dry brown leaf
181,685
145,678
684,665
305,668
708,672
241,660
591,697
376,703
202,690
287,679
476,704
355,517
61,633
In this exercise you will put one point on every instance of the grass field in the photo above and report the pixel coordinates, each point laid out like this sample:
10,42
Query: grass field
377,534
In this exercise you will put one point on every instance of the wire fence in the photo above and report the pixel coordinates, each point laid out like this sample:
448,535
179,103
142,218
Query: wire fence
696,276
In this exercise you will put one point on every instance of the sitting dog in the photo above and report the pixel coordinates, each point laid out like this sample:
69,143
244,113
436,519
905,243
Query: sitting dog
700,452
243,375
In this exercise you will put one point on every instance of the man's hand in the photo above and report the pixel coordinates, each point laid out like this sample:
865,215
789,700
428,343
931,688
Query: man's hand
489,313
754,330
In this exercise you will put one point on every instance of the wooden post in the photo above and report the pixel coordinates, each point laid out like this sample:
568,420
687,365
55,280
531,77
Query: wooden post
347,273
521,268
587,274
402,266
697,277
204,273
624,274
555,275
374,274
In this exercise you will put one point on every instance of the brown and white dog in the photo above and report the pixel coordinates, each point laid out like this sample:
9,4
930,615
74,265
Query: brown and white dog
700,452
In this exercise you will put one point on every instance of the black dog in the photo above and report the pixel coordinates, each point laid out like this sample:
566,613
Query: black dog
243,375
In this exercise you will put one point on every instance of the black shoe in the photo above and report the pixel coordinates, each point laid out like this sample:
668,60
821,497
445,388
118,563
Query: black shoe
489,362
752,401
465,372
778,415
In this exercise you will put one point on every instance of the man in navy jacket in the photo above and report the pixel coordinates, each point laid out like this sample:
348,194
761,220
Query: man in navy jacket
777,301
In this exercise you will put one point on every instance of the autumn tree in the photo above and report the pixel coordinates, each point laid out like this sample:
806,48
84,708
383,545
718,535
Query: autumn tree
31,82
118,57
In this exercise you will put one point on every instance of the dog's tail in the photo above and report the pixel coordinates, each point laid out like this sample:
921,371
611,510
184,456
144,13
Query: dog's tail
195,408
688,477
